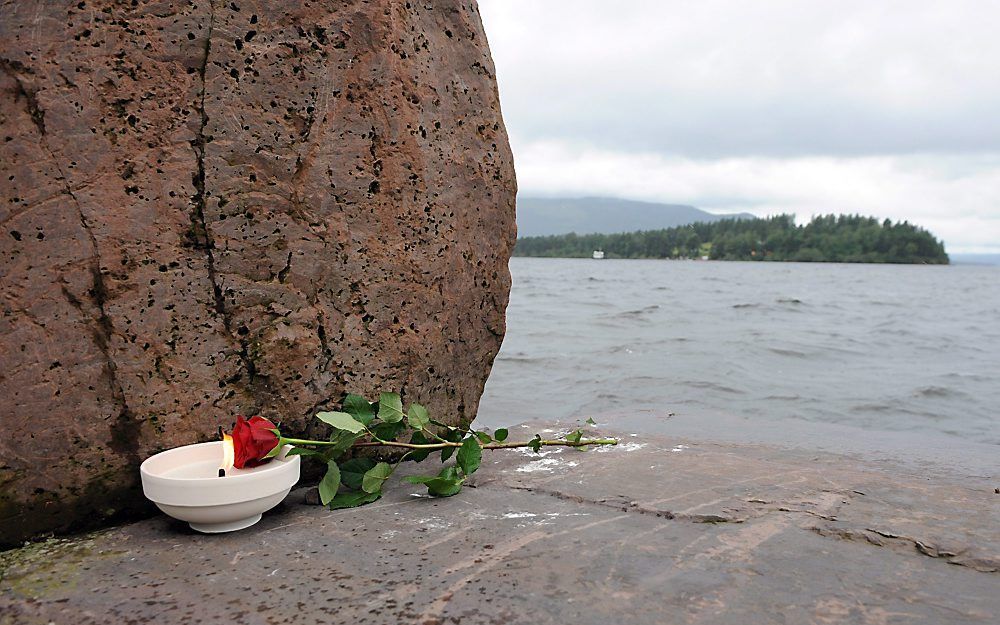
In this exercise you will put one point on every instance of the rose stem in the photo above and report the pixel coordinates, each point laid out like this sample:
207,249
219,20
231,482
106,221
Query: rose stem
545,443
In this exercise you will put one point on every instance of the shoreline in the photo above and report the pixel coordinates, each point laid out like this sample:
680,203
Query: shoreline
902,450
763,260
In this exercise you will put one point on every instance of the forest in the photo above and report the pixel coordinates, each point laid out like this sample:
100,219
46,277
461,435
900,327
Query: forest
826,238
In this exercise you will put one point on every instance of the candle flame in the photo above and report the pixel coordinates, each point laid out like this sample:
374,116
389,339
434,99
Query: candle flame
228,453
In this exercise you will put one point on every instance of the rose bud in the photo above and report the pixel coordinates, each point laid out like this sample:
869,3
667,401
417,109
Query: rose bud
253,440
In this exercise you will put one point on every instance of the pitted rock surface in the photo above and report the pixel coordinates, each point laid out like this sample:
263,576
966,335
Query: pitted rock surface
214,208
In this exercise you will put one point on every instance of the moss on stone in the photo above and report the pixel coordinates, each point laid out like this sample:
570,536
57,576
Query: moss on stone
40,569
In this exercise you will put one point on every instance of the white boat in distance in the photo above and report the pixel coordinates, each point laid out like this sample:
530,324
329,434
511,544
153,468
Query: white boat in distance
598,253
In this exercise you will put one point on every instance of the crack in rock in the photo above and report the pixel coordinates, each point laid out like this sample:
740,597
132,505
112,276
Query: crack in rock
201,233
632,506
871,536
125,431
883,538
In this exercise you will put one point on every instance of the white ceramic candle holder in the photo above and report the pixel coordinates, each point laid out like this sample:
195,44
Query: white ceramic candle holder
184,483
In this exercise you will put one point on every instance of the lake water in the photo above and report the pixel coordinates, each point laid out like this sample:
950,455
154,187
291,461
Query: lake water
897,360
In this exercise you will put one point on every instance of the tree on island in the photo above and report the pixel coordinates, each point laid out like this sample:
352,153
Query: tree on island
826,238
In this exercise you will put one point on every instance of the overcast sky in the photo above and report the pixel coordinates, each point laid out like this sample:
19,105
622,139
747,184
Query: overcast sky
885,108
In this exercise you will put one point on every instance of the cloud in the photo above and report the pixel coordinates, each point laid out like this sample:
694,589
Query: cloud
885,108
955,196
721,77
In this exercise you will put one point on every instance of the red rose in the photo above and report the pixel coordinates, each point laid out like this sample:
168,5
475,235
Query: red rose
252,440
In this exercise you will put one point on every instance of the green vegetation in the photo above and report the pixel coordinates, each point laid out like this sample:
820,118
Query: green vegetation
364,424
829,238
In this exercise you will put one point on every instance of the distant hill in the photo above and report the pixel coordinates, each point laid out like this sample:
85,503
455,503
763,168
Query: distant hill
975,259
586,215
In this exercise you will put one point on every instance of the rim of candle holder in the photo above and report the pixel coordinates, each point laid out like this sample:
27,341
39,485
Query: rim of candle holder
280,474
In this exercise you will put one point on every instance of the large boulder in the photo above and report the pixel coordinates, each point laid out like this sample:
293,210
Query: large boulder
213,208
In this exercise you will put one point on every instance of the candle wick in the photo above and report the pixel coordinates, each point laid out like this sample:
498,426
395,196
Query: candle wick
222,473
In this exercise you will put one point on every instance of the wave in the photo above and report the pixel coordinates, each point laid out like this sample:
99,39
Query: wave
628,349
609,396
974,377
520,359
897,408
712,386
938,391
639,311
787,352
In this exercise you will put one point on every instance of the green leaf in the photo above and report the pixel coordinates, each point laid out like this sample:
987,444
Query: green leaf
574,437
419,479
454,435
501,434
444,488
330,483
341,421
302,451
352,472
535,444
445,484
448,432
418,417
390,407
446,453
388,431
470,454
353,500
590,421
275,450
342,440
375,477
359,408
417,455
483,437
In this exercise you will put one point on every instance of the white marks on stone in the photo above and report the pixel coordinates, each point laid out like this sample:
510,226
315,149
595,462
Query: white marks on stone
541,453
526,519
620,447
432,523
545,465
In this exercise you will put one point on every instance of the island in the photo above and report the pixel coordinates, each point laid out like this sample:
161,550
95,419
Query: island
826,238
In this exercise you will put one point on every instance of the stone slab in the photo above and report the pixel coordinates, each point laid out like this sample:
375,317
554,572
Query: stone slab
656,530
